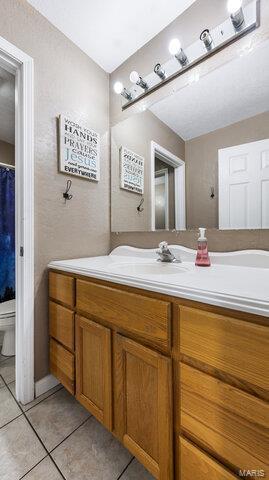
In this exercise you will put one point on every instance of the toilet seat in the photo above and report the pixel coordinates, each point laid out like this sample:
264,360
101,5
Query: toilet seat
7,325
7,321
7,308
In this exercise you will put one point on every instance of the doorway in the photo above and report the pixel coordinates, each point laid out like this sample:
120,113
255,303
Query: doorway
167,190
20,66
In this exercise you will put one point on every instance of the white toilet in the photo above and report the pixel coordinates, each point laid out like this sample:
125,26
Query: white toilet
7,325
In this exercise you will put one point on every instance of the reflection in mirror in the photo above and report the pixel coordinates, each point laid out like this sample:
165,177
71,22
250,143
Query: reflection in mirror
216,129
164,196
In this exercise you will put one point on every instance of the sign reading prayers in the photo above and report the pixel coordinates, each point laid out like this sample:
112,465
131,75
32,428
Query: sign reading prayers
79,150
131,171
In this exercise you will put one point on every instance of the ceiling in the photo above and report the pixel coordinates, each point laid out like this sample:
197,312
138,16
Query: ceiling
109,31
7,106
236,91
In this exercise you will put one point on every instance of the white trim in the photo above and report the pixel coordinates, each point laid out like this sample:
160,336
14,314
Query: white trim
179,166
45,384
21,65
162,177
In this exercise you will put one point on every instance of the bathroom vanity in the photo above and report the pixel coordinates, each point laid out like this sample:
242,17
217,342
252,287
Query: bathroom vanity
171,358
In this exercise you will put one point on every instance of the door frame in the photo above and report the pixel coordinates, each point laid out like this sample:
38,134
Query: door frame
179,166
164,174
22,66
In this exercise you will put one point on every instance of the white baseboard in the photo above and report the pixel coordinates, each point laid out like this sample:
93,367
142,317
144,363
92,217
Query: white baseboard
45,384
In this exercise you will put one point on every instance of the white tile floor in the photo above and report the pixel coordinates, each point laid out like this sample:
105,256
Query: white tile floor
54,438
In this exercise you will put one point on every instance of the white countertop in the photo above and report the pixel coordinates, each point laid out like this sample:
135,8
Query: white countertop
237,280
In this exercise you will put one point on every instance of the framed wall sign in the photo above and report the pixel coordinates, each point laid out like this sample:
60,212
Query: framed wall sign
131,171
79,150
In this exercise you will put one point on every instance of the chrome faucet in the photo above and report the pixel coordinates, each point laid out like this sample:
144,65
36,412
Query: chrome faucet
165,255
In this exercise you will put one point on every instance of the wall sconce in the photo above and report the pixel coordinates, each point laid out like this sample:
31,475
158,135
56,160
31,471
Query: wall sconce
159,70
135,78
176,50
236,13
207,39
120,90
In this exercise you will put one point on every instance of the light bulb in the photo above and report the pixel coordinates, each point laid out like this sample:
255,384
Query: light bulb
233,6
174,46
134,77
118,87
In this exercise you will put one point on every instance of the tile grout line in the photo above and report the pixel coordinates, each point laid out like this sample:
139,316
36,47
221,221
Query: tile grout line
69,435
31,469
124,470
45,448
43,399
31,426
10,421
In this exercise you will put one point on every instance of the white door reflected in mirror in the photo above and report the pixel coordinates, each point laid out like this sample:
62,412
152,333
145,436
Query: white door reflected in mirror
244,186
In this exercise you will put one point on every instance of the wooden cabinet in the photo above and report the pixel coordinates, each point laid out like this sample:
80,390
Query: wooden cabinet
62,325
230,423
165,375
147,318
143,405
62,365
93,369
237,348
195,464
62,288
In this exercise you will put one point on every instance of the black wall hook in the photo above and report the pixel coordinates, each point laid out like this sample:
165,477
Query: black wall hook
139,208
212,192
66,194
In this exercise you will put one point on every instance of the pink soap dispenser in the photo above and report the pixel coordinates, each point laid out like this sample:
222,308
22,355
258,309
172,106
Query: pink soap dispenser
202,257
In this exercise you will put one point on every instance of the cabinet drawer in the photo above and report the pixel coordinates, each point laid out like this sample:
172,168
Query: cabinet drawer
62,288
61,324
62,365
146,317
231,424
194,463
233,346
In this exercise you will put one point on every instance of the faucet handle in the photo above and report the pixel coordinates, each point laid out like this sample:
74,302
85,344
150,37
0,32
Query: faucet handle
163,245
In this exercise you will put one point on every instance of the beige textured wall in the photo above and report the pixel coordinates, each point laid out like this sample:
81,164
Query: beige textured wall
7,153
218,240
66,81
136,133
201,156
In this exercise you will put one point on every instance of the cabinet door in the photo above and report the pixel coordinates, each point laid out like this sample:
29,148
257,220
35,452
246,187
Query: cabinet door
93,369
143,405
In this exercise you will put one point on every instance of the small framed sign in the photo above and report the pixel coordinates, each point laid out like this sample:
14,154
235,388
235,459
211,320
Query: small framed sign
131,171
79,150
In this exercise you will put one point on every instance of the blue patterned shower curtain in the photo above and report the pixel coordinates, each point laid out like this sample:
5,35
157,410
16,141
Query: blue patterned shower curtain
7,234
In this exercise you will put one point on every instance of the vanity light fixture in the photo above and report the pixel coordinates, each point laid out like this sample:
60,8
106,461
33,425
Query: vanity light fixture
236,13
176,50
207,39
241,20
159,70
120,90
135,78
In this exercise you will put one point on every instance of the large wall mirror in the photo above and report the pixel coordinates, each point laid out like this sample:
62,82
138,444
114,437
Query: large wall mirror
199,157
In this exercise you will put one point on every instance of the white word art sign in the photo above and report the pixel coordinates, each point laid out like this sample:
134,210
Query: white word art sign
131,171
79,150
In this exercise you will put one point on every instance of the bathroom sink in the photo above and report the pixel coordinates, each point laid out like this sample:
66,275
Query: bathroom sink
157,268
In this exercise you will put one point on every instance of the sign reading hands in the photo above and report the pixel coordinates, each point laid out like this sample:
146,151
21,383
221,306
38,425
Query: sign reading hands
79,150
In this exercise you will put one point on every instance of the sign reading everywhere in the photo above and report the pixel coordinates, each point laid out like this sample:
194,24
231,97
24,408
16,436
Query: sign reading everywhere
131,171
79,150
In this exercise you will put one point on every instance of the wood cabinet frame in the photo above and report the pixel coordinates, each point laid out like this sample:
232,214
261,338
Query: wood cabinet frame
163,346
